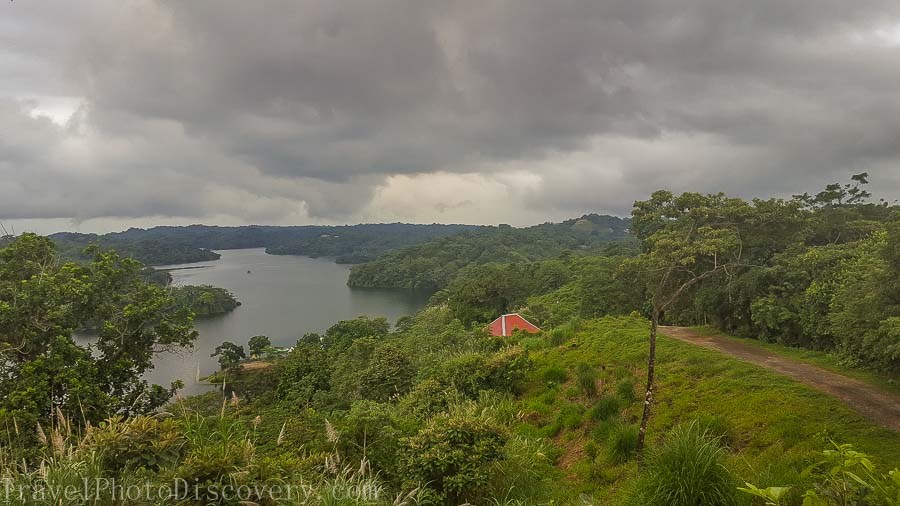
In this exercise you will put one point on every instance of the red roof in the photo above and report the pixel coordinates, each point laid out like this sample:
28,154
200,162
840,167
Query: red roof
504,325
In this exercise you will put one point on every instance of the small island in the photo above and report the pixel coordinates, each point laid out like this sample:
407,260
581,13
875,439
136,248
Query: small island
205,300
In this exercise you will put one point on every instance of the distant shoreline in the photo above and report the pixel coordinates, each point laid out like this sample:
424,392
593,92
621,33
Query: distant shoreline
167,269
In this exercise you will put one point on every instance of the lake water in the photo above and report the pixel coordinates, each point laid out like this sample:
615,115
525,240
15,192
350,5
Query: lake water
281,296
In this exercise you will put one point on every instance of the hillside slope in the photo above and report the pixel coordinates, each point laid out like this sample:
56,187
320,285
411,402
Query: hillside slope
774,426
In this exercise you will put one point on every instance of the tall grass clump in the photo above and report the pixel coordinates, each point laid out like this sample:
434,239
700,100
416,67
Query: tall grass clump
625,391
533,343
622,443
606,408
554,374
563,333
586,377
688,470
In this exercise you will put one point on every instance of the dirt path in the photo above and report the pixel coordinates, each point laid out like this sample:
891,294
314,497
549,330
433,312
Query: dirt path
878,406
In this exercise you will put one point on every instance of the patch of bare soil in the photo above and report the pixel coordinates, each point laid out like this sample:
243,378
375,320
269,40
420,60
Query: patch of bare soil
255,365
878,406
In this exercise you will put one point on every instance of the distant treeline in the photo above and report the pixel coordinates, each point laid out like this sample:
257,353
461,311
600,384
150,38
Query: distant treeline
432,265
362,243
174,245
148,251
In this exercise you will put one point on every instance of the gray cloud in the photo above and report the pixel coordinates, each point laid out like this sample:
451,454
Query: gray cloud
299,111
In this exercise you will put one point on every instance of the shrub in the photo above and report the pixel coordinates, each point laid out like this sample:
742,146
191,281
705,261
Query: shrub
389,374
472,372
844,476
554,374
587,380
427,398
606,408
140,442
689,469
622,443
455,456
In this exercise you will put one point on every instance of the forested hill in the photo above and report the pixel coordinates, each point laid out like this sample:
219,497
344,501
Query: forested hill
172,245
362,243
148,251
432,265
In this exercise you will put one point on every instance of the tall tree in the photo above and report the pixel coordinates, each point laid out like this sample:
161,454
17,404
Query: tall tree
687,239
230,355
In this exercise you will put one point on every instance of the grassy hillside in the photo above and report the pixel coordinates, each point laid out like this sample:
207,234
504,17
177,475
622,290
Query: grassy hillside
479,421
572,425
774,427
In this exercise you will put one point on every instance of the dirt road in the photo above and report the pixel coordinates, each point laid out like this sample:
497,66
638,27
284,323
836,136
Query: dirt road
878,406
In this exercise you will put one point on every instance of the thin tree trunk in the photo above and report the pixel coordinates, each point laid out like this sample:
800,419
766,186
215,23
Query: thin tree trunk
648,396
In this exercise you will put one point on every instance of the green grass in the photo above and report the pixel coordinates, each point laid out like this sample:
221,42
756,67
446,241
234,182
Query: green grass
622,443
830,361
687,470
773,426
606,408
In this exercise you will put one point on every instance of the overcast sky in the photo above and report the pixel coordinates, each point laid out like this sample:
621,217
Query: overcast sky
126,113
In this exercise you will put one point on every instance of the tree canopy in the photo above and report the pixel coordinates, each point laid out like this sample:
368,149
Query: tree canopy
45,369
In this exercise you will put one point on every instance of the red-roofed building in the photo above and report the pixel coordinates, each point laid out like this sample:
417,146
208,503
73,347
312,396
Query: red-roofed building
504,325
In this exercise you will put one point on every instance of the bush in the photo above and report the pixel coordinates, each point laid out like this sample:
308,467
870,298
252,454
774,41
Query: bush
688,470
455,456
622,443
140,442
471,373
427,398
606,408
553,374
844,476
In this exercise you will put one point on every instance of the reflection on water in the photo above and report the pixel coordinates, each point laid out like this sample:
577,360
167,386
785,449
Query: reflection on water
282,297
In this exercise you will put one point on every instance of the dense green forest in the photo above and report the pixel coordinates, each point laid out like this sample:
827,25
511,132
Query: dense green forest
433,410
432,265
72,246
174,245
362,243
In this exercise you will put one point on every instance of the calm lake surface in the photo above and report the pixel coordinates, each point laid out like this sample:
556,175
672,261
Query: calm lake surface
282,297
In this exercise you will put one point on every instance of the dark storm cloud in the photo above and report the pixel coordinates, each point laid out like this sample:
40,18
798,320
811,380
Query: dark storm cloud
313,110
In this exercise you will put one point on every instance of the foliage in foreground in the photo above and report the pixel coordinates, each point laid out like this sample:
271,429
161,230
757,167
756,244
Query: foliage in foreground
843,476
45,370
